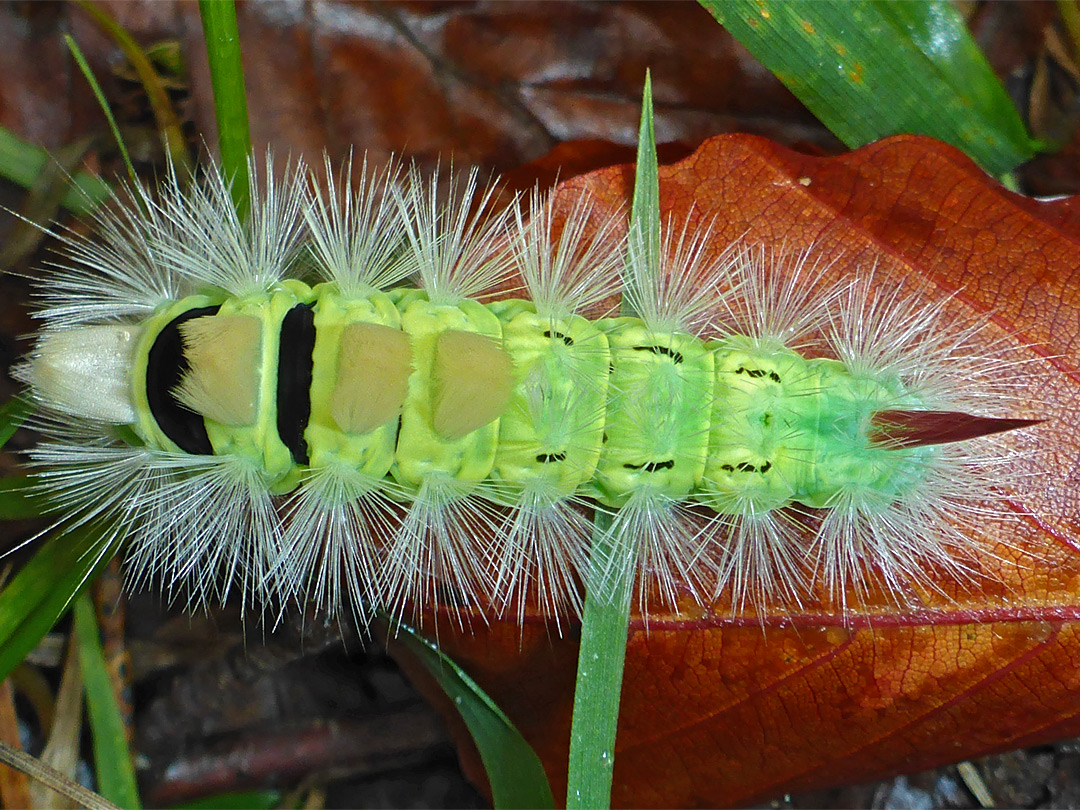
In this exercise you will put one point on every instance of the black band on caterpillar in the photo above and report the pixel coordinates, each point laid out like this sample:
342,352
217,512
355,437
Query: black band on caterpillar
674,356
294,379
164,369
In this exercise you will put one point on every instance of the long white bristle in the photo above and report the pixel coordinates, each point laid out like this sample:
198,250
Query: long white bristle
569,271
457,247
356,232
681,286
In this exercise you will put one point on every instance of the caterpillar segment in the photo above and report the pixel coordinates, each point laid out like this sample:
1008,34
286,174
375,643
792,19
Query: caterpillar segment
330,405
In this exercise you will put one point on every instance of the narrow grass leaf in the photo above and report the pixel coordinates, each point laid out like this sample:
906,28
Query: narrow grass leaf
168,122
88,74
241,800
12,414
21,162
230,96
50,777
39,594
21,500
606,617
869,68
597,691
514,771
112,757
18,500
644,242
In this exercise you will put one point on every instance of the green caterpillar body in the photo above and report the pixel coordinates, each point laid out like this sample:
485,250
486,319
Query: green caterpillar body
327,402
599,409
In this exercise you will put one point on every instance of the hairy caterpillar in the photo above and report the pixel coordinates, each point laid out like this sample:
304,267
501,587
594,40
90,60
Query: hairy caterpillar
335,399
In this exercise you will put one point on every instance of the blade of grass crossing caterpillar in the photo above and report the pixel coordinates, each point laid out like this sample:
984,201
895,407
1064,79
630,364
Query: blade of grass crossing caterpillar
598,686
606,617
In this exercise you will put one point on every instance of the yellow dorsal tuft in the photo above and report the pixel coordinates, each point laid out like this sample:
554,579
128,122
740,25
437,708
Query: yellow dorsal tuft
374,364
224,354
472,379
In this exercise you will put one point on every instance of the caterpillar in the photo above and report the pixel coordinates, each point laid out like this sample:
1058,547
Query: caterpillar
369,395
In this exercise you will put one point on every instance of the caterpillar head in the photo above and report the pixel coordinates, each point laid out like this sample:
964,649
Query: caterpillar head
85,371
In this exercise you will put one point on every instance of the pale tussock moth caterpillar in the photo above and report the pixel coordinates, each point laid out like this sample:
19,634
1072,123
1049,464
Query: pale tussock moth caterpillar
269,404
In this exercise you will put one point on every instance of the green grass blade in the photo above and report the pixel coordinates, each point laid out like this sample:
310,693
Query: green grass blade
606,617
644,242
21,162
12,414
20,499
17,498
869,68
112,757
240,800
88,74
230,97
604,627
40,593
164,115
514,771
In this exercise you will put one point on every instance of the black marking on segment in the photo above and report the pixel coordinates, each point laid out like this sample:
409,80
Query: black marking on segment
746,467
165,367
548,458
758,373
652,466
663,351
294,379
569,341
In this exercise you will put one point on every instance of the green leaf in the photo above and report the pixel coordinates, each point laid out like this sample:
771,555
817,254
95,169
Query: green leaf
516,775
21,500
21,162
112,758
40,593
870,68
230,97
643,244
99,94
18,497
165,116
241,800
606,617
604,626
12,414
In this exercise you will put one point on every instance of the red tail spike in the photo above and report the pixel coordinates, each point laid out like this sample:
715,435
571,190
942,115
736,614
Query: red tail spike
918,428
